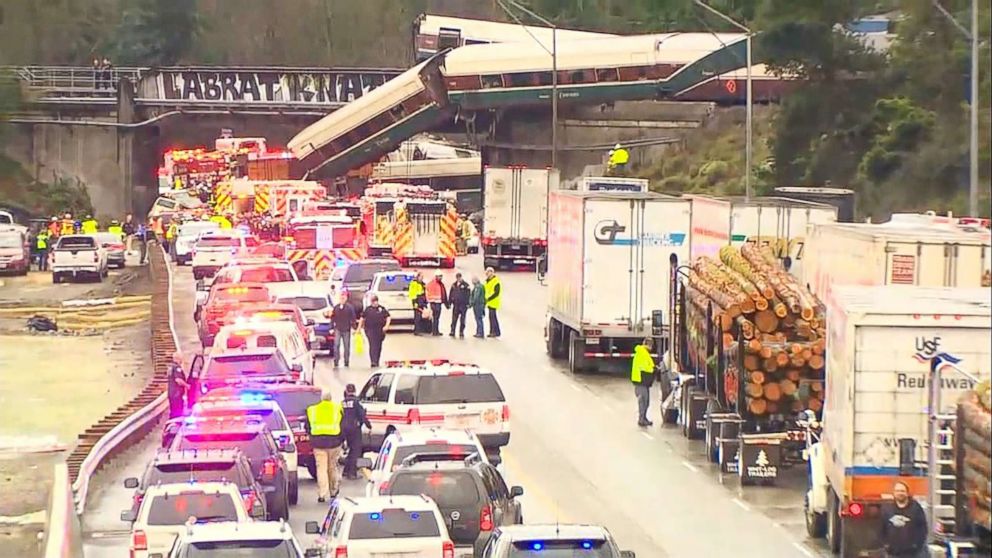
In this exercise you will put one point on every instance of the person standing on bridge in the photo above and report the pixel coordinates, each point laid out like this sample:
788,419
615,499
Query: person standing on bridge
617,163
642,376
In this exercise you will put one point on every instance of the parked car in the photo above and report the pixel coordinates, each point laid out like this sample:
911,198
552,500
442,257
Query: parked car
114,245
556,539
222,300
15,254
355,278
186,237
257,539
391,287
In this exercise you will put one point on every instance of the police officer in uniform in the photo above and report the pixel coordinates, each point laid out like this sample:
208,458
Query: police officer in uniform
324,425
178,384
375,320
351,426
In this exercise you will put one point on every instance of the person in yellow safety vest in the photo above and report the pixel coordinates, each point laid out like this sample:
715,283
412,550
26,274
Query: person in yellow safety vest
417,293
178,184
324,426
618,159
642,376
41,249
222,221
116,228
68,225
90,225
494,293
170,233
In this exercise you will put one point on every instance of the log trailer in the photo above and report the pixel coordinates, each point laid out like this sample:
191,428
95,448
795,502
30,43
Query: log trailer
750,349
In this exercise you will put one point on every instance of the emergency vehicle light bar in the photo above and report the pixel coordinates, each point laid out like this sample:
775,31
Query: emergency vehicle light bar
424,363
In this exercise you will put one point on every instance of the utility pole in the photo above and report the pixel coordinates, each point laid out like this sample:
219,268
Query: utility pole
748,134
971,35
554,66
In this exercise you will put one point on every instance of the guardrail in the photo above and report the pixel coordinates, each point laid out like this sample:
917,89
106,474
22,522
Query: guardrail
131,422
62,538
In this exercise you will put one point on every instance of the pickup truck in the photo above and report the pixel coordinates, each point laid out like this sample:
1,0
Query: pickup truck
77,255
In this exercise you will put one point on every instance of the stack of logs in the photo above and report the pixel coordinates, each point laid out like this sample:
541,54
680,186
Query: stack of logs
974,436
781,323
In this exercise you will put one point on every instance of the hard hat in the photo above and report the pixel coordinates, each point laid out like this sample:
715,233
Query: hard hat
617,146
54,218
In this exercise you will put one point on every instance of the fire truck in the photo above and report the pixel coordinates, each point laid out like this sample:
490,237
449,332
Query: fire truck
423,233
276,198
325,239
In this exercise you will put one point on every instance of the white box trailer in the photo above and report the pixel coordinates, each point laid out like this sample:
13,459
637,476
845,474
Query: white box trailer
880,341
515,221
892,254
611,256
774,221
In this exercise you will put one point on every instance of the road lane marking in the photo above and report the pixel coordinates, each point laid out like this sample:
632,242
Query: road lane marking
523,479
690,466
575,387
648,436
802,548
741,504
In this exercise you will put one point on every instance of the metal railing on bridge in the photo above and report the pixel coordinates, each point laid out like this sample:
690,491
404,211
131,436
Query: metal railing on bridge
73,84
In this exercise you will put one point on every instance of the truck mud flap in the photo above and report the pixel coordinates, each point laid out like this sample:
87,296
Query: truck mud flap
760,459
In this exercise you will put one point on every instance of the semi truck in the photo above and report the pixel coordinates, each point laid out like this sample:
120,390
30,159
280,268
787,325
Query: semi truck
893,254
515,204
611,255
774,221
875,427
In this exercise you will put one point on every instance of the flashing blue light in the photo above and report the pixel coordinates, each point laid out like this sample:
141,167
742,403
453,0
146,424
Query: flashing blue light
537,546
414,516
375,516
253,397
586,545
339,263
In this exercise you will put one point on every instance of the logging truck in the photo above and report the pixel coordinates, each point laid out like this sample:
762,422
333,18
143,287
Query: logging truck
968,532
611,256
749,345
875,427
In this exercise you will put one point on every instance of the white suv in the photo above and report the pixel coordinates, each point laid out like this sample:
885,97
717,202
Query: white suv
214,249
268,412
187,235
408,526
268,538
409,395
398,446
166,510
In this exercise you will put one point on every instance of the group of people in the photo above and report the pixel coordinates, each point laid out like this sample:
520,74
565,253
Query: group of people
42,238
103,73
429,301
333,427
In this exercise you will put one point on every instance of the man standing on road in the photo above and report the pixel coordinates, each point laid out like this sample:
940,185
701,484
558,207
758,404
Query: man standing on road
324,426
142,235
374,321
90,225
437,296
477,300
642,376
41,249
351,424
494,292
177,386
417,293
459,296
343,320
904,525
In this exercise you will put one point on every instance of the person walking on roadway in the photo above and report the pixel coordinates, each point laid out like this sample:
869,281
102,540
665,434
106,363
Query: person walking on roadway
324,426
374,321
642,376
494,293
351,425
343,320
417,293
178,386
437,296
459,297
477,300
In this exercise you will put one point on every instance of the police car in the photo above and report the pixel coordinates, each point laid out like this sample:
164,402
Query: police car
257,405
400,445
407,526
259,538
408,395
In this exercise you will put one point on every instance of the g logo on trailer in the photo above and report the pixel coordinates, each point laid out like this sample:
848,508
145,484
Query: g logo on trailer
606,232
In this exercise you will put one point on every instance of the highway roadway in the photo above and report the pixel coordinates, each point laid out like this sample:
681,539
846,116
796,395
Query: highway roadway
575,448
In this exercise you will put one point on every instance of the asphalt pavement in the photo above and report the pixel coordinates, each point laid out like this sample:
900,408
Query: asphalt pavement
575,448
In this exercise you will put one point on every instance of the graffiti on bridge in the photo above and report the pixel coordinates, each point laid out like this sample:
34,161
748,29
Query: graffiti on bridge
267,86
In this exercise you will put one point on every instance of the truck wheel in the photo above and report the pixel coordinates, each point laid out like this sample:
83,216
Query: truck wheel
834,526
294,490
575,349
554,339
56,279
816,523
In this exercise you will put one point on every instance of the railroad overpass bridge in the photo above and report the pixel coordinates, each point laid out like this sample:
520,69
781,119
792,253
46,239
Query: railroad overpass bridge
112,137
